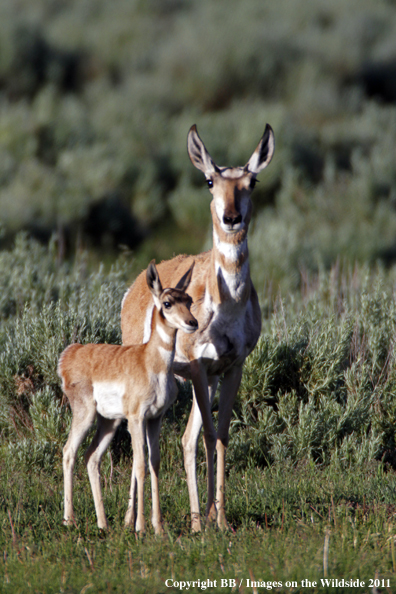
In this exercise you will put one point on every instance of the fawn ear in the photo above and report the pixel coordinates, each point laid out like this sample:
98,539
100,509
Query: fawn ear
198,154
263,153
153,282
185,279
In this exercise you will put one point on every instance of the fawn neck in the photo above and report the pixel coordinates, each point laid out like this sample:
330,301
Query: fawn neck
162,339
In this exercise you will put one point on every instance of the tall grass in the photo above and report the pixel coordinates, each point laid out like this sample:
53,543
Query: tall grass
319,385
311,453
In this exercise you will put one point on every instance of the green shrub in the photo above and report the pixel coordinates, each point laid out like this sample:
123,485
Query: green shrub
318,386
321,386
144,81
46,306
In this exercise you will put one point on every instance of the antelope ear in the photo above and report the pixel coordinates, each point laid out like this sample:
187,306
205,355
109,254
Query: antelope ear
198,154
263,153
185,279
153,281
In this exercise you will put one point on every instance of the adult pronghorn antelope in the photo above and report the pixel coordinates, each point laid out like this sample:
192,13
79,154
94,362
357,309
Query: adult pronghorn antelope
112,382
226,307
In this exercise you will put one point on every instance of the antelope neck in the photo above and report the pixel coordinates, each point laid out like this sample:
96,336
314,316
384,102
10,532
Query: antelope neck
230,265
231,250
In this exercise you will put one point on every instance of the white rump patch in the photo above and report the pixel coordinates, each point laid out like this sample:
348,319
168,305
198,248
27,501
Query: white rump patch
147,323
109,399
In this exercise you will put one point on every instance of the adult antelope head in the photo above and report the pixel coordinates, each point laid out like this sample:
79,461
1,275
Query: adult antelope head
231,187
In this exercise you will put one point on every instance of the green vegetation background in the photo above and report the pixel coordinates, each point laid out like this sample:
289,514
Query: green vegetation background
96,98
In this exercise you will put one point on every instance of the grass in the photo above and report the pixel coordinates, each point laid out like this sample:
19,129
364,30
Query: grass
280,517
310,467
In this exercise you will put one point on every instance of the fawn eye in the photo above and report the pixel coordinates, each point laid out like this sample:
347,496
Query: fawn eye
253,183
210,183
167,305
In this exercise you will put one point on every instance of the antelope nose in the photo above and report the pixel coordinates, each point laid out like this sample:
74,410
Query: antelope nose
193,323
232,220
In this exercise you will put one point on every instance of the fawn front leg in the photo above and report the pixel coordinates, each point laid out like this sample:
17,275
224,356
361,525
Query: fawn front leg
136,427
153,431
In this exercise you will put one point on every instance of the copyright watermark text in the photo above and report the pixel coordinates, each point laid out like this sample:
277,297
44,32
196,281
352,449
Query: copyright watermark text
269,585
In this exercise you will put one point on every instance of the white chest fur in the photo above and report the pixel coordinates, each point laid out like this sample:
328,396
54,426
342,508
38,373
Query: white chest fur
109,399
226,332
234,283
164,392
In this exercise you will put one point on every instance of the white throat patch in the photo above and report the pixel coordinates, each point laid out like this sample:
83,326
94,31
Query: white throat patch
229,250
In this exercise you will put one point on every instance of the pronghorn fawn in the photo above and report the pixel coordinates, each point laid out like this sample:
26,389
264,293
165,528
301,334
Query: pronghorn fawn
112,382
226,307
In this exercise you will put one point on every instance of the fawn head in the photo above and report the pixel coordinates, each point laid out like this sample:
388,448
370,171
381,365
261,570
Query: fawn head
173,304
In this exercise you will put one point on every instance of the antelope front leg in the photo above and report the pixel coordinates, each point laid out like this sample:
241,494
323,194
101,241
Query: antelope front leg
199,415
136,428
228,392
189,442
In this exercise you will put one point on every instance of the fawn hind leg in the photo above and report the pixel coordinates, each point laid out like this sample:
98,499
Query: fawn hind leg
104,434
83,419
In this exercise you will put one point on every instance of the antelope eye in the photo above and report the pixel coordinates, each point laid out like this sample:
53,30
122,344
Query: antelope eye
167,305
253,183
210,183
